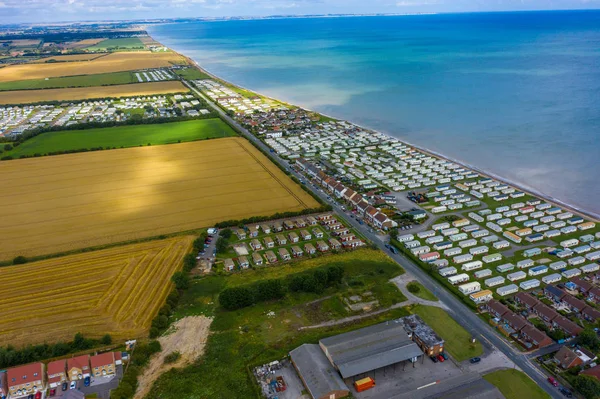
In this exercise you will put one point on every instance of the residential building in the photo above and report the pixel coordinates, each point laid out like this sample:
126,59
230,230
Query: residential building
496,309
537,338
566,325
423,335
26,380
3,385
103,365
566,358
79,367
57,372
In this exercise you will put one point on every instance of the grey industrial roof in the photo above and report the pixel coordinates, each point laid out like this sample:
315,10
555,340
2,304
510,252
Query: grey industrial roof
316,371
370,348
417,326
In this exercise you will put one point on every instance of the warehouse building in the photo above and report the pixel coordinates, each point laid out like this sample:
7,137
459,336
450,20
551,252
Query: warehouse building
318,375
427,339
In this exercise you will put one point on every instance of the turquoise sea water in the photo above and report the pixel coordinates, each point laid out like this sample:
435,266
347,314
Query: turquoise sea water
515,94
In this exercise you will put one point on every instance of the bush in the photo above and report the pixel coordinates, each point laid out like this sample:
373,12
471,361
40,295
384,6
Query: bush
413,288
226,233
172,357
19,260
236,298
189,262
8,147
587,385
106,340
181,280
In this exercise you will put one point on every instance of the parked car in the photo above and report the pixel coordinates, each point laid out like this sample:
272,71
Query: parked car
552,381
441,358
30,396
86,381
566,392
38,395
53,392
474,360
435,360
73,385
444,355
65,386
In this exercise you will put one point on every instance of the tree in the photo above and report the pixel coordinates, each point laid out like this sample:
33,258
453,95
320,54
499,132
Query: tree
189,262
587,385
222,245
236,298
106,340
19,260
8,147
226,233
181,280
268,290
589,338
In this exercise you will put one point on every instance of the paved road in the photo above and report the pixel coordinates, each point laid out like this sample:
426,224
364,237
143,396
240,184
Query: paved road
459,311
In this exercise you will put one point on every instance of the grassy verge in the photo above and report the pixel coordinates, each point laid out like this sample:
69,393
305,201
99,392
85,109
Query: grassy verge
515,385
457,338
123,136
191,73
101,79
417,289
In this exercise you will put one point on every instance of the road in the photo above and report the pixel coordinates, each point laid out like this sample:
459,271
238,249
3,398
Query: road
459,311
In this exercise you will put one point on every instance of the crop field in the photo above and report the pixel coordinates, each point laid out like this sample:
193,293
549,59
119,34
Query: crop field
116,291
101,79
121,43
123,136
61,203
82,93
83,43
115,62
68,58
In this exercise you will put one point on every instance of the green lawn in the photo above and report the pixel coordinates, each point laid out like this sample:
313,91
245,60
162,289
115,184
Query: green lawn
102,79
122,43
457,338
123,136
191,73
515,384
422,292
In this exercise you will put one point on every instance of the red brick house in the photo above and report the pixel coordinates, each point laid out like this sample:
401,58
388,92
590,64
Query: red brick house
566,358
567,326
57,373
496,308
526,300
537,338
26,380
545,313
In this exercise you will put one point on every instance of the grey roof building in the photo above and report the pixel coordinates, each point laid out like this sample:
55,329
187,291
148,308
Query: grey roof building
370,348
318,375
422,334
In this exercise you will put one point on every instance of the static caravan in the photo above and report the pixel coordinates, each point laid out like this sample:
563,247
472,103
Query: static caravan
482,273
467,243
564,215
494,227
578,260
568,274
569,243
441,226
587,238
447,271
440,263
458,237
476,264
551,278
558,224
434,240
565,253
513,237
586,226
426,234
520,275
541,228
473,203
491,258
505,268
450,231
480,233
501,244
452,252
525,263
552,233
412,244
502,209
593,256
439,209
503,222
462,258
531,252
530,284
420,250
481,296
406,238
459,278
511,213
442,245
489,239
460,222
575,220
582,249
531,223
568,229
517,205
521,218
507,290
547,219
589,268
479,250
429,257
535,271
558,265
534,237
476,217
494,281
471,228
494,216
469,288
524,232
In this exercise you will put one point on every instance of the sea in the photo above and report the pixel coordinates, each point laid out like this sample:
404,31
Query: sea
516,94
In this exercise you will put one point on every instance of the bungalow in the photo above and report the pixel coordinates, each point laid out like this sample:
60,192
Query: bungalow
57,373
293,237
271,257
296,251
228,265
79,367
240,233
576,305
310,249
243,262
566,325
288,225
594,294
527,300
515,322
305,235
256,245
554,293
335,244
265,228
537,338
253,231
311,221
284,254
281,240
545,312
257,259
352,243
26,380
496,309
317,232
269,243
277,226
566,358
590,314
300,223
322,247
103,365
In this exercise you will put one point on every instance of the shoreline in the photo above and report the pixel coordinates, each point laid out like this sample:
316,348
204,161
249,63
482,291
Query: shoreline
555,201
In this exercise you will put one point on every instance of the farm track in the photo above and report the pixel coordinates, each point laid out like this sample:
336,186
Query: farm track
118,291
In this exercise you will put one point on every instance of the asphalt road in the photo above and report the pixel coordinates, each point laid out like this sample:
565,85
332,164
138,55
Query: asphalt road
460,312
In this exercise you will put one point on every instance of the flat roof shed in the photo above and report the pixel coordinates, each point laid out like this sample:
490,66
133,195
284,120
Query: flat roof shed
370,348
318,375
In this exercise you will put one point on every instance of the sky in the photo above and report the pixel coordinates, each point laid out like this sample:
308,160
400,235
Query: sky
17,11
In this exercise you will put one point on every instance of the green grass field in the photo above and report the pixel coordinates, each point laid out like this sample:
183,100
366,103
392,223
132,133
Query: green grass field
456,337
102,79
123,136
515,384
122,43
191,74
422,292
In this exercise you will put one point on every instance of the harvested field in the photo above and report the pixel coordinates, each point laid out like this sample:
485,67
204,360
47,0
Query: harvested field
66,202
68,58
23,42
82,93
83,43
116,291
115,62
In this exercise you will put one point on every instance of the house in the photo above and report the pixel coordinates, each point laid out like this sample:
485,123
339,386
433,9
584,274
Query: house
256,245
253,231
118,358
281,240
243,262
594,294
271,257
57,373
582,285
103,365
293,237
257,259
310,249
576,305
265,228
537,338
269,243
300,223
594,372
322,247
423,335
526,300
545,313
311,220
554,293
335,244
515,322
288,224
3,385
496,308
277,226
26,380
284,254
566,358
566,325
590,314
296,251
79,367
305,235
317,232
241,234
228,265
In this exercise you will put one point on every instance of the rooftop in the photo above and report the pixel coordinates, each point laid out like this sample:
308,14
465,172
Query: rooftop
318,374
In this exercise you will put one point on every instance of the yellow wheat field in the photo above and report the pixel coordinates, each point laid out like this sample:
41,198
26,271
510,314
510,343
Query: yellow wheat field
115,62
69,58
82,93
60,203
116,291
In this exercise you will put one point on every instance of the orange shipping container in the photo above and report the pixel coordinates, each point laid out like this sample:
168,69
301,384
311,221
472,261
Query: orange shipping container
364,384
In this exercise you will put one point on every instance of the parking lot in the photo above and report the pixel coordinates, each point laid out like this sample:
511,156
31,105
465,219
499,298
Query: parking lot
100,386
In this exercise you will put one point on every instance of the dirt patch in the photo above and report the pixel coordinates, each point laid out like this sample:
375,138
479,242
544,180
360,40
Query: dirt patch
188,337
